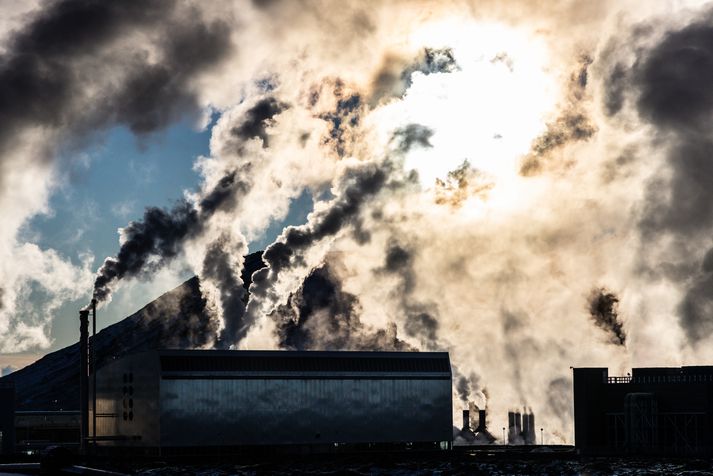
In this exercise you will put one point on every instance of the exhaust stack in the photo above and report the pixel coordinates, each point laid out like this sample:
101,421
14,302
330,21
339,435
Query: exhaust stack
83,379
481,421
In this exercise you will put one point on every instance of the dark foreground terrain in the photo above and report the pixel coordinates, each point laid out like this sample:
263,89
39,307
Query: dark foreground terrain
449,466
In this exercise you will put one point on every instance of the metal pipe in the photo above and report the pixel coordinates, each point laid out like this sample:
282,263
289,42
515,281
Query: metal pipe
83,379
94,372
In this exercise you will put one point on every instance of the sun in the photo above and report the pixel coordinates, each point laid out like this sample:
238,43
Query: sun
487,112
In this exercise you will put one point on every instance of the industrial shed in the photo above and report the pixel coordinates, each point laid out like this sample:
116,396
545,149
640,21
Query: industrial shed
655,411
172,400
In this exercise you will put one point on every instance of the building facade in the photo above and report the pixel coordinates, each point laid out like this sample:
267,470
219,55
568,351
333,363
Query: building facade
168,400
660,411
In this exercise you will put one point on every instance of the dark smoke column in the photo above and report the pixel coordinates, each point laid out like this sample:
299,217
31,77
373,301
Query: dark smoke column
161,235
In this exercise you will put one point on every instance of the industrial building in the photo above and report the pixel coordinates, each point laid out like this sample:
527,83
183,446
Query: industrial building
652,411
164,402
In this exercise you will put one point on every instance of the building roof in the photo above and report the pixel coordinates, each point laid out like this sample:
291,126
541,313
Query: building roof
304,361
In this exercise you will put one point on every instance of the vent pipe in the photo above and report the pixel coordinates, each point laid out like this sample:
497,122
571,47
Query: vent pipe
83,379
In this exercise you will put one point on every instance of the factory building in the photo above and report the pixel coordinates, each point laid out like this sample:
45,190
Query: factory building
163,402
660,411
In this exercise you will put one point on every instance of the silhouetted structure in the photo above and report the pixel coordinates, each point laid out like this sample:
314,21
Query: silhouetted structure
653,411
37,430
521,428
166,402
7,417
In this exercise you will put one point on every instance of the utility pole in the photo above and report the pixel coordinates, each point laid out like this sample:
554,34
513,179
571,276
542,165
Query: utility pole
542,436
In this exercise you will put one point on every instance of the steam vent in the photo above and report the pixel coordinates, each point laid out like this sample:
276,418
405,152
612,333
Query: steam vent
655,411
165,402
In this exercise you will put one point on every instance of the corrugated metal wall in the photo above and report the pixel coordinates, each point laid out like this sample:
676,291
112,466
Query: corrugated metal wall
245,411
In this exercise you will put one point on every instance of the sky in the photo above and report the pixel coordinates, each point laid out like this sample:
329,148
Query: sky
524,184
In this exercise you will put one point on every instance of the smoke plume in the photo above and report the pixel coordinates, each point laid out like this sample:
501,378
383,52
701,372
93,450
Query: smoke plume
603,307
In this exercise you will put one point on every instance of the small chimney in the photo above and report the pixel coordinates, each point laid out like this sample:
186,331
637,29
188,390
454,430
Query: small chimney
466,420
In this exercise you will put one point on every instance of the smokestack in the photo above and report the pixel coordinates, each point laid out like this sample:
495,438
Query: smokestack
93,363
511,428
530,433
466,420
518,423
83,379
481,421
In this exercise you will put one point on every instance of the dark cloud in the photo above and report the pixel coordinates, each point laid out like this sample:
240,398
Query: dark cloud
572,125
160,234
614,92
73,47
675,76
465,385
696,309
421,318
559,399
603,309
412,135
461,184
421,324
258,118
670,83
218,268
345,117
359,185
321,315
395,75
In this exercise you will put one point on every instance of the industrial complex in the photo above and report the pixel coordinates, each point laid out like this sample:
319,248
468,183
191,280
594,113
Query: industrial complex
178,402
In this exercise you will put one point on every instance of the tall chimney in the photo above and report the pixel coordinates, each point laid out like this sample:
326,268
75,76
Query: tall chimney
94,372
511,428
481,420
83,379
466,420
